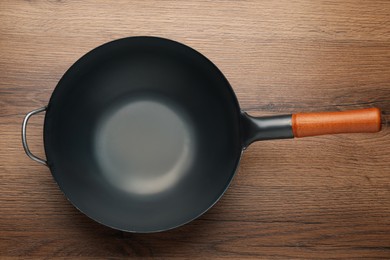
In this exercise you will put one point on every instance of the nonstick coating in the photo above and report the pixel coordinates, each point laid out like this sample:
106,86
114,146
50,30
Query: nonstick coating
142,134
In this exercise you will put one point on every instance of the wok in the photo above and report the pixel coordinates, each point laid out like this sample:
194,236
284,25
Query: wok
144,134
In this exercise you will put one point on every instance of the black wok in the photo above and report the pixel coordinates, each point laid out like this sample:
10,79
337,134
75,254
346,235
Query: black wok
144,134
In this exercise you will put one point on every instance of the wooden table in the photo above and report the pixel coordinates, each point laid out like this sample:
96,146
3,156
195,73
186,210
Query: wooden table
317,197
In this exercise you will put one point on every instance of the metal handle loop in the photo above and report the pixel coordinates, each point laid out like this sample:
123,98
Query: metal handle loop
24,137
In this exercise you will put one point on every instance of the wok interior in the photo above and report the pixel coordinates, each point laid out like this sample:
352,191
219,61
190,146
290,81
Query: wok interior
142,134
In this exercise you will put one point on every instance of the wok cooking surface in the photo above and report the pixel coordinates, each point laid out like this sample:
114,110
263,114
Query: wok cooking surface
145,146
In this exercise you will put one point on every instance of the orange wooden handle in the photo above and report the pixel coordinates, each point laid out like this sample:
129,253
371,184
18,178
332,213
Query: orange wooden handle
353,121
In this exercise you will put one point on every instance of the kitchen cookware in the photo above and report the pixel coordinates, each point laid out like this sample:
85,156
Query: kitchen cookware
144,134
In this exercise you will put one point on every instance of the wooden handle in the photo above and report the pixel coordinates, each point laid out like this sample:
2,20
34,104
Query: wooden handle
353,121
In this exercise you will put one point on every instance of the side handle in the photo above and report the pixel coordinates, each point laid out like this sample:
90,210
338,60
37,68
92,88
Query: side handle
24,137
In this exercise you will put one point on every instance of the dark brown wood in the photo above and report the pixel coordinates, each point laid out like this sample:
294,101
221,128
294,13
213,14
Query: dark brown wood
367,120
316,197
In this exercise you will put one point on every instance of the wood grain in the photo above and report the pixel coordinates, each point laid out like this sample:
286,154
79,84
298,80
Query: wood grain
316,197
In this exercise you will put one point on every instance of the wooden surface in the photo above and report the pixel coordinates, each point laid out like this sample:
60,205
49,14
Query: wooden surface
316,197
